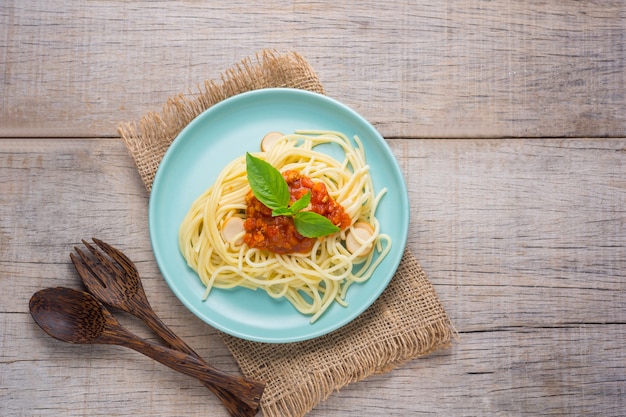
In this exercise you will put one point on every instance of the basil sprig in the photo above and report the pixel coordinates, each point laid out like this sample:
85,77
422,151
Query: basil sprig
271,189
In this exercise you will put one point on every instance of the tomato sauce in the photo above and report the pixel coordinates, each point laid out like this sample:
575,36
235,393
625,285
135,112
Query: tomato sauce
278,234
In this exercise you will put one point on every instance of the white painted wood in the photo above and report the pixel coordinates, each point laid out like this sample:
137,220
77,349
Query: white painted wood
522,239
415,68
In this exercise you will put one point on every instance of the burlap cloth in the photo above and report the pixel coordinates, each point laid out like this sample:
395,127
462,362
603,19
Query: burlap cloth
406,322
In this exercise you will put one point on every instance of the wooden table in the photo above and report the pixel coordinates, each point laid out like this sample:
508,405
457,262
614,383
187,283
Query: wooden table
508,120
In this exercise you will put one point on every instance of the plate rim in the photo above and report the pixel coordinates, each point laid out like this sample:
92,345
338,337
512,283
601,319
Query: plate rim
250,95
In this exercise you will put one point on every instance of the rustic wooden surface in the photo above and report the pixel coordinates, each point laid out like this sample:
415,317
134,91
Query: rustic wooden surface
520,225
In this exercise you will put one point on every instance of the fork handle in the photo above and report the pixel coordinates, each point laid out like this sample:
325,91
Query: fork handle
150,318
236,407
248,391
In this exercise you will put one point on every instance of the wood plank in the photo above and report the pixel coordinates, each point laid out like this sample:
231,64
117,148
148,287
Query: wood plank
543,372
414,68
522,239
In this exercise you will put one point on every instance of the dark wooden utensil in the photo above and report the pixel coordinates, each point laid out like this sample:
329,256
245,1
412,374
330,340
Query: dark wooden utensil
77,317
115,281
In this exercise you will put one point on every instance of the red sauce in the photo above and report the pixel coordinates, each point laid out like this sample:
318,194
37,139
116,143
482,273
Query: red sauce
278,234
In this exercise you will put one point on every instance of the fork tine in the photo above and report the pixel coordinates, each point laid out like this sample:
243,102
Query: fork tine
87,267
81,267
116,255
106,262
101,266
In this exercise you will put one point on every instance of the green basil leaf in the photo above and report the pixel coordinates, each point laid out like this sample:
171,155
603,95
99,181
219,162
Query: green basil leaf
282,211
303,202
311,224
266,182
271,189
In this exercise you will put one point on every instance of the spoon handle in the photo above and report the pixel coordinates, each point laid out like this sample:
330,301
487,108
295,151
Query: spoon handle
246,406
186,364
150,318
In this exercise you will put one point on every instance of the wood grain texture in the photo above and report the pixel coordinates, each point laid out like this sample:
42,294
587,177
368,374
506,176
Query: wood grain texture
522,239
456,68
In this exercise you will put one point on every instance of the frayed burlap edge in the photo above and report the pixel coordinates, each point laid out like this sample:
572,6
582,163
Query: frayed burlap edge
148,139
406,322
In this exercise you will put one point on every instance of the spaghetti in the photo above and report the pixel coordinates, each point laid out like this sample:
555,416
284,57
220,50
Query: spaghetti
311,281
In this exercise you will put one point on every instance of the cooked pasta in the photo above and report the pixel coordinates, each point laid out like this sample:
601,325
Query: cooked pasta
311,281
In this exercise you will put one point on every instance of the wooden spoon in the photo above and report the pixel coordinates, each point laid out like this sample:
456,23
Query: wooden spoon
114,280
77,317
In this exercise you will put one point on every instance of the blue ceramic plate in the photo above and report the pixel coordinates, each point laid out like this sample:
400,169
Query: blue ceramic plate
216,137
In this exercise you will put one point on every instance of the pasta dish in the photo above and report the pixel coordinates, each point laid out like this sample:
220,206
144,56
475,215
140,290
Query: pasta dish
232,238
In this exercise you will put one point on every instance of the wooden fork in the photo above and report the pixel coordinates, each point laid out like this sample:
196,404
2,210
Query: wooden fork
113,279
